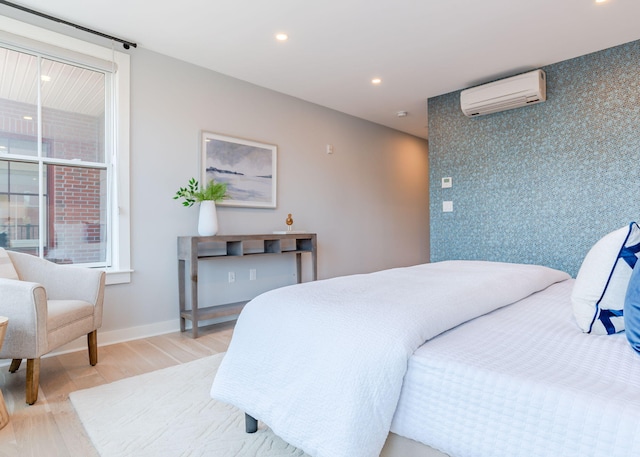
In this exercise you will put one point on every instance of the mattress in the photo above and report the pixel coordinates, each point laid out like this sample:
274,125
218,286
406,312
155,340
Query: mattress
524,381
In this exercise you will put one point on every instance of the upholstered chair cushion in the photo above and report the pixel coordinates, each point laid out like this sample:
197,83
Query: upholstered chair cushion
7,269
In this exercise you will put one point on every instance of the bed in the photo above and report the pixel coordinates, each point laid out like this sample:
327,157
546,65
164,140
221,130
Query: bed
460,358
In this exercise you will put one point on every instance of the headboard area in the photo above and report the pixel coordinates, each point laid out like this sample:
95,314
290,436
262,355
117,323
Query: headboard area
540,184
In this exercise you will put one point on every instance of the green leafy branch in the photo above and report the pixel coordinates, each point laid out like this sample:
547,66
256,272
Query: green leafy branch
191,194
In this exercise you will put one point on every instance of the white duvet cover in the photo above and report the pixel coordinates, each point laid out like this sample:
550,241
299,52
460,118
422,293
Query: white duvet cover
322,363
524,381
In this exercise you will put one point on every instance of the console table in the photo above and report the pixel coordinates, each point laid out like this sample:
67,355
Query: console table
192,249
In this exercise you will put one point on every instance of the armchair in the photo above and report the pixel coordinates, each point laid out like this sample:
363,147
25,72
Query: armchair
49,306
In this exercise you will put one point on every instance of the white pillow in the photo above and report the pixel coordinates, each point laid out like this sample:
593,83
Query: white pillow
601,285
7,269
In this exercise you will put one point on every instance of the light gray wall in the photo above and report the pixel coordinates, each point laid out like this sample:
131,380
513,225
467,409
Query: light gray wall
368,201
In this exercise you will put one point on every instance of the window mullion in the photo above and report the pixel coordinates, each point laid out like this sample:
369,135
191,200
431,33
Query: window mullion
109,157
41,202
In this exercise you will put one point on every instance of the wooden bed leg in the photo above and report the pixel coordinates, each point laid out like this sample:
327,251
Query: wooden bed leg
250,424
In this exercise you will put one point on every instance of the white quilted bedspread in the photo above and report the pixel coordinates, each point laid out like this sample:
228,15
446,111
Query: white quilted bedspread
524,381
322,363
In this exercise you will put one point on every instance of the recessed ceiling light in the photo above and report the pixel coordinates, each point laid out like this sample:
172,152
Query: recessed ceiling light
45,78
282,36
376,81
601,1
27,118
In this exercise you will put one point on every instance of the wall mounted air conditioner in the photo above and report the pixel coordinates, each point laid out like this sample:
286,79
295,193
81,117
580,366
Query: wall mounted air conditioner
514,92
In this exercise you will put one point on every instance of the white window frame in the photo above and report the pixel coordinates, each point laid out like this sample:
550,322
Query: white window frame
17,33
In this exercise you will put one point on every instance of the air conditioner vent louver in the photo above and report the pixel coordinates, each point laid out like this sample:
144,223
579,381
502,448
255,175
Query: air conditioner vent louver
520,90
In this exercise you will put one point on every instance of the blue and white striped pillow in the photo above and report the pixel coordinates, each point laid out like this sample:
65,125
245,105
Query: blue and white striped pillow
601,285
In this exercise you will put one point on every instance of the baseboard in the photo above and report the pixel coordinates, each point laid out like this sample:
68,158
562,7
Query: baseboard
106,338
120,336
115,336
133,333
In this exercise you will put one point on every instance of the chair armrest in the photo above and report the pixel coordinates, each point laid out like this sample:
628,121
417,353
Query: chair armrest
25,304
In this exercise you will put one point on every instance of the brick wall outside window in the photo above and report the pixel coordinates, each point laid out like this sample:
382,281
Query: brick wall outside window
76,196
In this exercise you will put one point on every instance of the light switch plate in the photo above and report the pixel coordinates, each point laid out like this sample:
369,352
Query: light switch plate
447,207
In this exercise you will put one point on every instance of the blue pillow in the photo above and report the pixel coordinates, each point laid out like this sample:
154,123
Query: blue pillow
632,309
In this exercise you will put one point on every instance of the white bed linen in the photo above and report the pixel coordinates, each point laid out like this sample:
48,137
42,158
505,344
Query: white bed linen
322,363
524,381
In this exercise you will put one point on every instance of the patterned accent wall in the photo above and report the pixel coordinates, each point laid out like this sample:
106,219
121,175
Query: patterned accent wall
540,184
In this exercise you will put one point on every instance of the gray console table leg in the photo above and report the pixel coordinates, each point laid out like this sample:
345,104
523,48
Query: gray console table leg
250,424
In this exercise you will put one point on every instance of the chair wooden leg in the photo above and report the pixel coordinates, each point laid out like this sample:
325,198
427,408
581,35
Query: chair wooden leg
33,380
4,414
15,364
92,342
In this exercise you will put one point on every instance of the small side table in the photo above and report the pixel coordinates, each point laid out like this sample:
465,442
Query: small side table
4,415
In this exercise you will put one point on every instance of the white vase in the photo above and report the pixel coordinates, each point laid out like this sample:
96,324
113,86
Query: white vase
208,218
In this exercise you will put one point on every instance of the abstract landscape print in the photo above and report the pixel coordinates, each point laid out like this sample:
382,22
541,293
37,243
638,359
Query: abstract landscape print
247,167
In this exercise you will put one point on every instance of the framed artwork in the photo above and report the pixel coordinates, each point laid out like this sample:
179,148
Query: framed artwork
247,167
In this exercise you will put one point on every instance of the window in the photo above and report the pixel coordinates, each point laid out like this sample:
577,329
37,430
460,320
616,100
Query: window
63,148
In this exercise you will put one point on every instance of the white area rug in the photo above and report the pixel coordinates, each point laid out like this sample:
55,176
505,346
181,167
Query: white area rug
169,413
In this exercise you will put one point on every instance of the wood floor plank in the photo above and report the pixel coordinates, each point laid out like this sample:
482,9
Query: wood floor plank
8,441
178,347
119,361
71,430
54,379
51,426
77,363
153,357
38,434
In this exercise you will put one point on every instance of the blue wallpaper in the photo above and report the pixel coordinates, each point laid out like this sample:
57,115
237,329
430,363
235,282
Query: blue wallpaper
540,184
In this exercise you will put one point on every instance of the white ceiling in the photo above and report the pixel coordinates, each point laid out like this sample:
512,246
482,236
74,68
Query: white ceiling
420,48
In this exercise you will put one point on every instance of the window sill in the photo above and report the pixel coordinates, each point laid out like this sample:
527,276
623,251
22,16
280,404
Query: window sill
117,276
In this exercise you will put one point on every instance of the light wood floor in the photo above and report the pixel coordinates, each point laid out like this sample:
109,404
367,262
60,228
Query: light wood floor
50,427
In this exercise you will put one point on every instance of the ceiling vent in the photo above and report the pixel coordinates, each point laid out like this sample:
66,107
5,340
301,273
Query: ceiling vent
514,92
